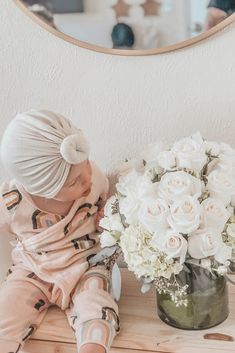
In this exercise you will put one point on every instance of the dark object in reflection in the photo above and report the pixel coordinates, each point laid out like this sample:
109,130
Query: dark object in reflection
227,6
58,6
218,10
42,10
122,36
46,8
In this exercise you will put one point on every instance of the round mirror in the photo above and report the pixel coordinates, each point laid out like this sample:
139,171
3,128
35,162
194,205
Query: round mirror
133,25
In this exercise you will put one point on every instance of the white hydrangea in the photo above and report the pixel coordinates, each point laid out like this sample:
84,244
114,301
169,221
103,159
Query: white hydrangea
142,258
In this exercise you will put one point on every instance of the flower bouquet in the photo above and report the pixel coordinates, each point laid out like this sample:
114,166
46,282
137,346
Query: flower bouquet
173,218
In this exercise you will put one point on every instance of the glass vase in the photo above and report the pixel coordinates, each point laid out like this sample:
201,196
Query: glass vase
207,296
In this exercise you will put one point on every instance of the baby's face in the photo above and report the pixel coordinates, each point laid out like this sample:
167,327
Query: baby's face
78,183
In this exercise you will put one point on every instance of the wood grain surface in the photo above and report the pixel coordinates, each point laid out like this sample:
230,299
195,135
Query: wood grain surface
141,329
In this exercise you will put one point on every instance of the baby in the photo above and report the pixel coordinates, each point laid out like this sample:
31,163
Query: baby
51,207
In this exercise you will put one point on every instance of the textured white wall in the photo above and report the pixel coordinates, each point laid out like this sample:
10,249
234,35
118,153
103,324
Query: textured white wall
121,103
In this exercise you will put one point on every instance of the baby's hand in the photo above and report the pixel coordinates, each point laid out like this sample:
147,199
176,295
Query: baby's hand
99,216
101,203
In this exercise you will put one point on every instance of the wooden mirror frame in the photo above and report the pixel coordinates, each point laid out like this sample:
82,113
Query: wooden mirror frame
126,52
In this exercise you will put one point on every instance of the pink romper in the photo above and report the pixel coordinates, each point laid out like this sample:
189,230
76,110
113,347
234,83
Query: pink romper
50,267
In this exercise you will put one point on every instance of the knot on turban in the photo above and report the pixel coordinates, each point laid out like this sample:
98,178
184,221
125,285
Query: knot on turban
73,148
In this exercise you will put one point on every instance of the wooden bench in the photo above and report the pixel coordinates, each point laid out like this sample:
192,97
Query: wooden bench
141,329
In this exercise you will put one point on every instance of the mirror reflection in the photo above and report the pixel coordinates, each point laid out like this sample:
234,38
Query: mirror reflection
132,24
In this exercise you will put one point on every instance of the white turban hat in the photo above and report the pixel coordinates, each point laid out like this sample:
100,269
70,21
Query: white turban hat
38,149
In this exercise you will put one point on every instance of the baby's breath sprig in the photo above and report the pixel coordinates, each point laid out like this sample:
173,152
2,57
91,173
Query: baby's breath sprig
115,207
116,210
177,293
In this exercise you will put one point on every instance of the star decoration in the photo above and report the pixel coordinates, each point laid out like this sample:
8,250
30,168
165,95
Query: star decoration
121,8
151,7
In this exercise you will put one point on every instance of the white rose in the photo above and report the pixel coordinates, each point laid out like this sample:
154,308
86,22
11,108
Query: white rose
214,214
227,149
139,186
185,215
220,186
151,153
129,207
112,223
212,147
174,185
166,160
153,214
145,188
106,239
131,164
174,245
190,153
127,183
203,243
226,164
231,230
198,138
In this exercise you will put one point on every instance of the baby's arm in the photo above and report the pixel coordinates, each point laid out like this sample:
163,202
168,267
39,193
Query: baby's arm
100,215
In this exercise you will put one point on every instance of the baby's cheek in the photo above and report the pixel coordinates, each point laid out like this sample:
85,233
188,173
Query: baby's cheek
76,193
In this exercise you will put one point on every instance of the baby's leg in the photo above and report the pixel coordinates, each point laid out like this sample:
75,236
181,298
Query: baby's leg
93,313
23,305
